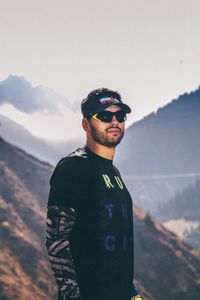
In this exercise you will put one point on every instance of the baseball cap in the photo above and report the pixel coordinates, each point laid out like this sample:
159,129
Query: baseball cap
93,105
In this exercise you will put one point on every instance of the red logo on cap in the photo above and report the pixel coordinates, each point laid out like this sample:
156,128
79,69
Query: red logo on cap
108,100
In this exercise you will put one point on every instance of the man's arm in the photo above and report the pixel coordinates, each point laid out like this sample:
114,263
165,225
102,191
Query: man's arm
62,207
60,222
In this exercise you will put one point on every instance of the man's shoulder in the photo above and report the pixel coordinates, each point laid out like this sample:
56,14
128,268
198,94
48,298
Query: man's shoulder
72,159
78,153
72,163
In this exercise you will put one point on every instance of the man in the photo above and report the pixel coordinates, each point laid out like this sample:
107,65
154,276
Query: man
89,225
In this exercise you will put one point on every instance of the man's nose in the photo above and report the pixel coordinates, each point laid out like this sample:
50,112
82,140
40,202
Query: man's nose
114,120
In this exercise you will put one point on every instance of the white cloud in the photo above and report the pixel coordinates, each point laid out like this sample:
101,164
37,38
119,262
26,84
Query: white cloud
66,126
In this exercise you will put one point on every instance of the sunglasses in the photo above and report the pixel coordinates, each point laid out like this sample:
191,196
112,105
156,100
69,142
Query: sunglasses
107,116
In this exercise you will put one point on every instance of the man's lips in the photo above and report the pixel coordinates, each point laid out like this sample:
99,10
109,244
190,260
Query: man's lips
114,130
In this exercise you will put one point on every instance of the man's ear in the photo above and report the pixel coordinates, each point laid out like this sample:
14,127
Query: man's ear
85,124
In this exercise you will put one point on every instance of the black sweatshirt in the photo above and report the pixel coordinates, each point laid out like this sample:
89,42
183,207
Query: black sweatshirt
90,229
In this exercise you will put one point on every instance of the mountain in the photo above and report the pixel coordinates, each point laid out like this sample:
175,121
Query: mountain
24,272
185,204
45,150
160,153
22,95
33,173
167,267
166,142
24,269
182,214
22,138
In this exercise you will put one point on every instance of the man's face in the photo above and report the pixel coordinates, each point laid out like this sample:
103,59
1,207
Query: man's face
106,134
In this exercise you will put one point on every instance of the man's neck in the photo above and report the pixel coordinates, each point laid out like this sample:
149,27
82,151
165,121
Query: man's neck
101,150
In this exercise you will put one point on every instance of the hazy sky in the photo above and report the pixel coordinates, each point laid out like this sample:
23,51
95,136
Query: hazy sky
148,50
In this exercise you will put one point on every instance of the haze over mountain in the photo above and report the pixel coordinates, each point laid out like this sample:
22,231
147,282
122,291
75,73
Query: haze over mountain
45,113
165,142
45,150
17,91
24,266
182,214
160,153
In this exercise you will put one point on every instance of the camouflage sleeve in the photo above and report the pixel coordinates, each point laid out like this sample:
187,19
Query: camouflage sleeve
60,222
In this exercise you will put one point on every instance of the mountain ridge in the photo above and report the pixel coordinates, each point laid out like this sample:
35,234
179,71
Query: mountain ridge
23,96
161,145
180,100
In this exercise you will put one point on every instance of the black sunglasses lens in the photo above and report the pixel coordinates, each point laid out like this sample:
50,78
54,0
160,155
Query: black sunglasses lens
120,116
107,116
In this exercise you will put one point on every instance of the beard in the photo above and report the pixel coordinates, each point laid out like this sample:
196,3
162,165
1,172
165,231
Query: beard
103,138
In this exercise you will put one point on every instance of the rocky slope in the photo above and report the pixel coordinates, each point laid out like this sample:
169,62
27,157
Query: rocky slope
182,214
166,266
24,272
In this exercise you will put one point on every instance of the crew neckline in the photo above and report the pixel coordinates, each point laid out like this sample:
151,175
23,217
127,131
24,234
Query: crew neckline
98,157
